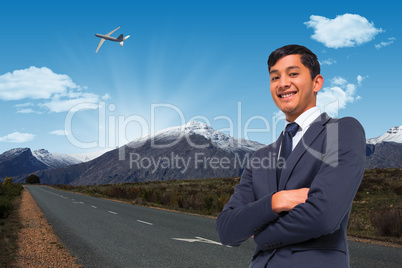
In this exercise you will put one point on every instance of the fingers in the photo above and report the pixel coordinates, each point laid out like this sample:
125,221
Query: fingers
286,200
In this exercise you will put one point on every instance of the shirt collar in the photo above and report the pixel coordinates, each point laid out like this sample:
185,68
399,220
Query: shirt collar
306,118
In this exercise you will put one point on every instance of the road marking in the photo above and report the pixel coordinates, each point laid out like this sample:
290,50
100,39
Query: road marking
112,212
94,207
145,222
77,202
198,239
59,195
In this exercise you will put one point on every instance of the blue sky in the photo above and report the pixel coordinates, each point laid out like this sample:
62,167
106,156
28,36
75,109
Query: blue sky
199,60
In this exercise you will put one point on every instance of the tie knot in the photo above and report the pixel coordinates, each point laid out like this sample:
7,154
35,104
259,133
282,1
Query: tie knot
292,128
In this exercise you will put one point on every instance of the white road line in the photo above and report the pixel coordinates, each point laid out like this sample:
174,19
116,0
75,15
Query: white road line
59,195
94,207
112,212
145,222
77,202
198,239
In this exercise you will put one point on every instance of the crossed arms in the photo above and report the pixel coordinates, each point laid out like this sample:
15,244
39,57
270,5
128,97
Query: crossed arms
311,212
286,200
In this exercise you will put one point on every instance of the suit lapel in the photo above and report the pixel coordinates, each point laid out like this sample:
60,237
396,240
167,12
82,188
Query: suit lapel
307,139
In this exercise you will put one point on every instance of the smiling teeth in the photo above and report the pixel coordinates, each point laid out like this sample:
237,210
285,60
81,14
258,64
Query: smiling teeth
287,95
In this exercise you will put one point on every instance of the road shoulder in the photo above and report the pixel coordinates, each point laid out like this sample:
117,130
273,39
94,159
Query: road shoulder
38,246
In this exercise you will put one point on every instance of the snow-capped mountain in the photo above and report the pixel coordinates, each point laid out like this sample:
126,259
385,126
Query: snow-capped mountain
192,151
54,160
385,151
22,162
392,135
18,161
218,138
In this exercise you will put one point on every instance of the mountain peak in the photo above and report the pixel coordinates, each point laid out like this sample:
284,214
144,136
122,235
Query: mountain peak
54,160
392,135
395,130
16,151
41,152
218,138
196,125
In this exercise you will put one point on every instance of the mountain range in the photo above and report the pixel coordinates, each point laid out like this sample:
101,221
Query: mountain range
194,150
23,161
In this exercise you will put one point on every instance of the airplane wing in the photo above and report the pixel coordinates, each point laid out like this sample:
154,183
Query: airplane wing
108,34
100,44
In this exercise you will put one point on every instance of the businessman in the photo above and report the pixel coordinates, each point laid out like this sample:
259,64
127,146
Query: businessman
297,210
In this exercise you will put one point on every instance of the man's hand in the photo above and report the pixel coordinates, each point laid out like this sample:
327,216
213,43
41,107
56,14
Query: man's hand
286,200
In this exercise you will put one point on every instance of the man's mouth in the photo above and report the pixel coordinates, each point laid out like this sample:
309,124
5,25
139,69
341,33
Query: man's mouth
286,95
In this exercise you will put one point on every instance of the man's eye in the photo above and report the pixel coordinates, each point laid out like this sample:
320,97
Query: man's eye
274,78
293,74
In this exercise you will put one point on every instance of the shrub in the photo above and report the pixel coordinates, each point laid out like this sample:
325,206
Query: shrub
32,179
209,202
387,222
8,181
116,192
6,207
11,190
7,193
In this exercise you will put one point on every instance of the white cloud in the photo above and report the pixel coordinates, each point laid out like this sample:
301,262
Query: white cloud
59,132
59,91
33,83
26,108
65,102
27,104
328,62
28,111
338,95
384,44
105,97
346,30
360,79
339,81
17,137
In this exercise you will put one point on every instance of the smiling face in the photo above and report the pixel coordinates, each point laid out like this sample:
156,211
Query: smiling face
292,88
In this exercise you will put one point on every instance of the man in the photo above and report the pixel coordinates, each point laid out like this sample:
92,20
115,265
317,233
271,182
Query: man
298,209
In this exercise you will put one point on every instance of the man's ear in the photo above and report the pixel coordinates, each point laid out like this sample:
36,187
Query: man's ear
318,82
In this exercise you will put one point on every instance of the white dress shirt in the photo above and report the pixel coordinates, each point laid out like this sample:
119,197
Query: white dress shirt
304,121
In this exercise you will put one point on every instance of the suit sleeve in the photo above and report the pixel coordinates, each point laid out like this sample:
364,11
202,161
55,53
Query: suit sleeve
243,216
331,192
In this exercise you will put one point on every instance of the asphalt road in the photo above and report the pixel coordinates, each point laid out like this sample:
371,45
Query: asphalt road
104,233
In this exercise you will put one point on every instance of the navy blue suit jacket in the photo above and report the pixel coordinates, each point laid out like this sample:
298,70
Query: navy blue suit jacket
330,160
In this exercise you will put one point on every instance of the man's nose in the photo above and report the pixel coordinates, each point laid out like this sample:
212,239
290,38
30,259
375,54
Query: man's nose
284,82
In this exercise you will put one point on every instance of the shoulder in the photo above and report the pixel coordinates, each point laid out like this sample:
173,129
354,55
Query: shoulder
346,121
348,130
346,124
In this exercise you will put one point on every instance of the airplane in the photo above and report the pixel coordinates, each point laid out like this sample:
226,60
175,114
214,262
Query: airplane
107,36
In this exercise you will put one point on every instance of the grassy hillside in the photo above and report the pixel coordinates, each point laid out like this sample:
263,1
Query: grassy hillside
377,207
376,211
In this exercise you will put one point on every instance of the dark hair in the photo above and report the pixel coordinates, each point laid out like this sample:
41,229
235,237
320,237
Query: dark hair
308,58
